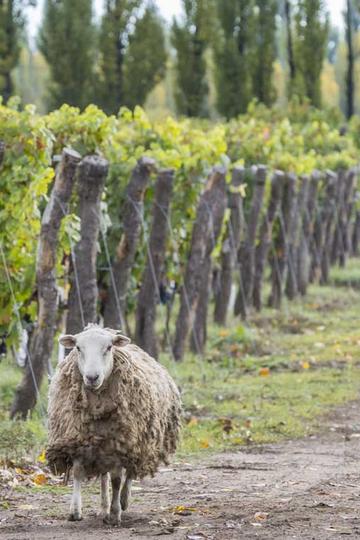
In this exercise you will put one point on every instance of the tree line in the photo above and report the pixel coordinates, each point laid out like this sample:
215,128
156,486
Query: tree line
230,45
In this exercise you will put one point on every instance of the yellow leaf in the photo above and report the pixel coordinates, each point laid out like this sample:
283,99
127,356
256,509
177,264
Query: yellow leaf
39,479
305,365
204,443
42,457
264,372
224,332
193,421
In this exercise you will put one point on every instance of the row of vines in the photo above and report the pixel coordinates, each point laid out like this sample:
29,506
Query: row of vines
104,217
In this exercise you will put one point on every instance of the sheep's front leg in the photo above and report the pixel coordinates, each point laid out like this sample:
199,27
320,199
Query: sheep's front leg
75,506
105,495
114,518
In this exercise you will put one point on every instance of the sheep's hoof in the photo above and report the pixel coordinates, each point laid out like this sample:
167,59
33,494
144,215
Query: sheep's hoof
111,519
75,516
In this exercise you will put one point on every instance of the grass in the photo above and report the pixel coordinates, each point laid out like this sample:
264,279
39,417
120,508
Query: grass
270,379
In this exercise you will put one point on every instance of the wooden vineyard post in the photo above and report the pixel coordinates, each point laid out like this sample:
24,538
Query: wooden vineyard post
83,295
131,218
295,239
211,202
279,260
337,246
153,274
347,215
307,242
355,236
41,345
328,224
248,246
265,234
199,330
230,246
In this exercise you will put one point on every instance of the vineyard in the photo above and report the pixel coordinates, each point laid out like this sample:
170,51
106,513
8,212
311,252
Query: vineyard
157,228
228,251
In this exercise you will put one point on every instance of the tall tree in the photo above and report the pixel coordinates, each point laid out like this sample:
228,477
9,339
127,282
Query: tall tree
290,46
233,56
114,36
145,59
312,26
264,51
349,31
11,23
66,40
189,37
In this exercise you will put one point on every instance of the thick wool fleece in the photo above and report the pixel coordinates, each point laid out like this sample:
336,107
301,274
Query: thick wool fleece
132,421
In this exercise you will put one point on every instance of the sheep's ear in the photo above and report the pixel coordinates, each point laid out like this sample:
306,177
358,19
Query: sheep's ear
119,340
68,341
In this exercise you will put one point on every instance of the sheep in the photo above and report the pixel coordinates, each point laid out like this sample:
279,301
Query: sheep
111,407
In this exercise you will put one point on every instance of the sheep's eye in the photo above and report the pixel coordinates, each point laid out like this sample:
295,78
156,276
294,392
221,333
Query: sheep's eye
108,348
78,348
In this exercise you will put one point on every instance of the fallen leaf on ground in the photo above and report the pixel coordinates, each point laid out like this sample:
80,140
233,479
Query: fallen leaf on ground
261,516
40,479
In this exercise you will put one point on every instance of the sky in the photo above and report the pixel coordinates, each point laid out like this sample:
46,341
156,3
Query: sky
169,8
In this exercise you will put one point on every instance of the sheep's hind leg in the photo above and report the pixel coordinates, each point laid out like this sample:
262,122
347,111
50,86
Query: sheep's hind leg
75,506
105,495
114,518
125,493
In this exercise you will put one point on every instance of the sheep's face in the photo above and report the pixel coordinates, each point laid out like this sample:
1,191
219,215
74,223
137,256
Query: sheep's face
95,358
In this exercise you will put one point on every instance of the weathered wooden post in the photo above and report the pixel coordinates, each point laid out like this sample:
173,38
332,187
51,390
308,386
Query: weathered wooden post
153,274
349,201
307,246
247,248
131,219
213,197
41,345
83,294
280,257
295,239
355,236
328,224
265,234
337,247
230,245
199,330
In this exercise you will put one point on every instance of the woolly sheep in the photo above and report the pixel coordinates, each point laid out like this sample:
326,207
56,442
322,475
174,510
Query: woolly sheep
111,407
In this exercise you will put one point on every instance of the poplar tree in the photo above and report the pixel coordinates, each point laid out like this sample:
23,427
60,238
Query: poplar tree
114,36
264,51
189,38
11,23
145,58
312,28
233,56
66,40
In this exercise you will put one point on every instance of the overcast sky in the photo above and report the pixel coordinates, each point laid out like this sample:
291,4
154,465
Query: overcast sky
169,8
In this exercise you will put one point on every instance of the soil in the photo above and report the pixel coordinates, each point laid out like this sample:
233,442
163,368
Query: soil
308,489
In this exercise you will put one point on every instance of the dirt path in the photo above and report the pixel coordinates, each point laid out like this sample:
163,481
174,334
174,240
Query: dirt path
298,489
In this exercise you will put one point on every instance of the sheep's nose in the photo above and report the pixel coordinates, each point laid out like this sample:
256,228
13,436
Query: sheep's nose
92,379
